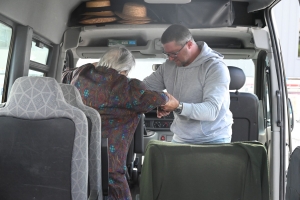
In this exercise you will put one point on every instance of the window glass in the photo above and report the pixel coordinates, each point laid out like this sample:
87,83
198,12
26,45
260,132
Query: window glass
299,34
266,94
267,104
39,53
5,38
293,86
81,62
35,73
143,68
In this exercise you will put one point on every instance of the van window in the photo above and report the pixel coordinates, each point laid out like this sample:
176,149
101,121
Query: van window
293,86
81,62
39,53
35,73
143,68
5,38
299,36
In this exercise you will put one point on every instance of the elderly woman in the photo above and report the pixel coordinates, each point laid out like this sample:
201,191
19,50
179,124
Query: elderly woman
120,101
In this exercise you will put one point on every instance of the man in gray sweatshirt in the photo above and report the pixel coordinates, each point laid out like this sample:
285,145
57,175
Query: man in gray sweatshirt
198,81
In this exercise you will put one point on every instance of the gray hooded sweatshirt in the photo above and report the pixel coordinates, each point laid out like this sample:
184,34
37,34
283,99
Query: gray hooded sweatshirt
203,88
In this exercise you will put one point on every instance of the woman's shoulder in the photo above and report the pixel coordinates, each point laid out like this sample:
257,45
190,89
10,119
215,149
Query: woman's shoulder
70,74
136,82
83,69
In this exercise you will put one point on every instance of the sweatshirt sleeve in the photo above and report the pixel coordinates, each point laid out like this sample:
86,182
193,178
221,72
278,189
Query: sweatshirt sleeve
142,100
216,88
156,80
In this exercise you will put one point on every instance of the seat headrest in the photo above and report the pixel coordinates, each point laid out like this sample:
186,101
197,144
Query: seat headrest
237,78
71,95
35,95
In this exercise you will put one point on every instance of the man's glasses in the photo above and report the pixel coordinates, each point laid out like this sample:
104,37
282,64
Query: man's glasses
174,55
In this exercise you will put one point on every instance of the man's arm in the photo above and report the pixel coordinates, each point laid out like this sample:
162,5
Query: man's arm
141,100
156,80
215,89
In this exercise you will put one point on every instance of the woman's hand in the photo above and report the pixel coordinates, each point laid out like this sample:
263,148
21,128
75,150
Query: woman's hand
161,113
171,105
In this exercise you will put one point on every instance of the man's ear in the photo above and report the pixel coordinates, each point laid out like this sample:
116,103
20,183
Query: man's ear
189,44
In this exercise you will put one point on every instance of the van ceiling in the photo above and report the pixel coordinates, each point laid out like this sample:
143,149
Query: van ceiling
50,18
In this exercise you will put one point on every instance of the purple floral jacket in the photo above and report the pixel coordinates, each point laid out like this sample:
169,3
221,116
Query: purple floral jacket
120,101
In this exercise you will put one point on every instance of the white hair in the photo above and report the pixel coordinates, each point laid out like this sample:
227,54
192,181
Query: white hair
118,58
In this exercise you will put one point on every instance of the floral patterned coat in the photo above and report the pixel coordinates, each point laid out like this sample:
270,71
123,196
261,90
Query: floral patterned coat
120,101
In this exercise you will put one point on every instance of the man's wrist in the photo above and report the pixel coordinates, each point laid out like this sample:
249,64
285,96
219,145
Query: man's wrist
179,108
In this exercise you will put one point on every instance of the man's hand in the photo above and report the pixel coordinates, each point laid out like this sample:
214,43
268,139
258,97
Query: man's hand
171,105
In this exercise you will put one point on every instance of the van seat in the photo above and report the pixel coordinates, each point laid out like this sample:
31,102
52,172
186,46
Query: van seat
72,96
210,171
244,107
43,143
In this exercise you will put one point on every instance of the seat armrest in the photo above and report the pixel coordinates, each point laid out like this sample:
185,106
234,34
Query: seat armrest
105,165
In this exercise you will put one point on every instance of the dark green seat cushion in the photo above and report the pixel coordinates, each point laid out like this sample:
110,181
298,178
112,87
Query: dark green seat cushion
212,171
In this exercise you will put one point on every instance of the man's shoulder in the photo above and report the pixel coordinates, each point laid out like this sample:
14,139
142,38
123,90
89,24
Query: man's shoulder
215,62
215,66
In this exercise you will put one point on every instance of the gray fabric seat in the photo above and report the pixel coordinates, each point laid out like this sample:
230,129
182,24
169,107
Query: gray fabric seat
210,171
244,107
72,96
43,144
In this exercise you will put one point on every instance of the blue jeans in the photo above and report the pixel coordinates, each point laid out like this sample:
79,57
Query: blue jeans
217,141
221,140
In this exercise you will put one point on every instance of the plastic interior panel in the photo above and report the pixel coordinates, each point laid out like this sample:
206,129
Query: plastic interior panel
36,158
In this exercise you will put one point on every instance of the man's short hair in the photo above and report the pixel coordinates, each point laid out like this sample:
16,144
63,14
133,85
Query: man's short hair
178,33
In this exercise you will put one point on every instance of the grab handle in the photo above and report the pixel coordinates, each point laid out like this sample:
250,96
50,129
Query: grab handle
279,116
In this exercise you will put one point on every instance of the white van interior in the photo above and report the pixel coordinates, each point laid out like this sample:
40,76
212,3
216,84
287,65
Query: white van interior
43,38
